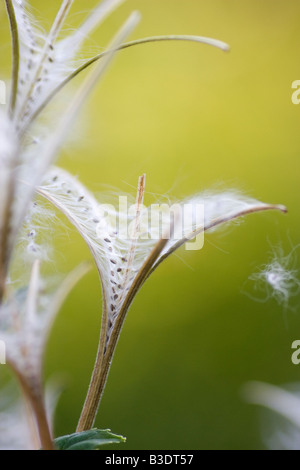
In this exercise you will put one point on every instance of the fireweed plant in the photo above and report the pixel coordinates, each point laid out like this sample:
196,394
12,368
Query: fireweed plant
42,65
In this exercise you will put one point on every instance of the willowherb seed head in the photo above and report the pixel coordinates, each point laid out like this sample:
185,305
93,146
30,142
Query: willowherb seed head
14,433
27,314
43,64
17,429
123,261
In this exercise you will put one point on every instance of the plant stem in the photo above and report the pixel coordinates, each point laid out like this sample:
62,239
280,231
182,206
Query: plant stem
4,251
103,361
38,408
15,54
96,388
6,238
32,391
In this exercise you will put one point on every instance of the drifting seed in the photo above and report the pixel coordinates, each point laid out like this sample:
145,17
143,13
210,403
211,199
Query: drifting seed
113,261
107,240
80,198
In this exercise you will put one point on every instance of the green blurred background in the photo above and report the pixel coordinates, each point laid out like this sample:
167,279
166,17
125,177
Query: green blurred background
191,117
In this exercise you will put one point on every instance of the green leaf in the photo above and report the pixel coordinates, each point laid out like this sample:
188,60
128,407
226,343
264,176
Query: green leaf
88,440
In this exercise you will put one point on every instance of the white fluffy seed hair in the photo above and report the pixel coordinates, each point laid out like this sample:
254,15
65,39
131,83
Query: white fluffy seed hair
46,60
279,279
41,65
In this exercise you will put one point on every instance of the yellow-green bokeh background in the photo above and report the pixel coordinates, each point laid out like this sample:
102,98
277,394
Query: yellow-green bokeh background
191,118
